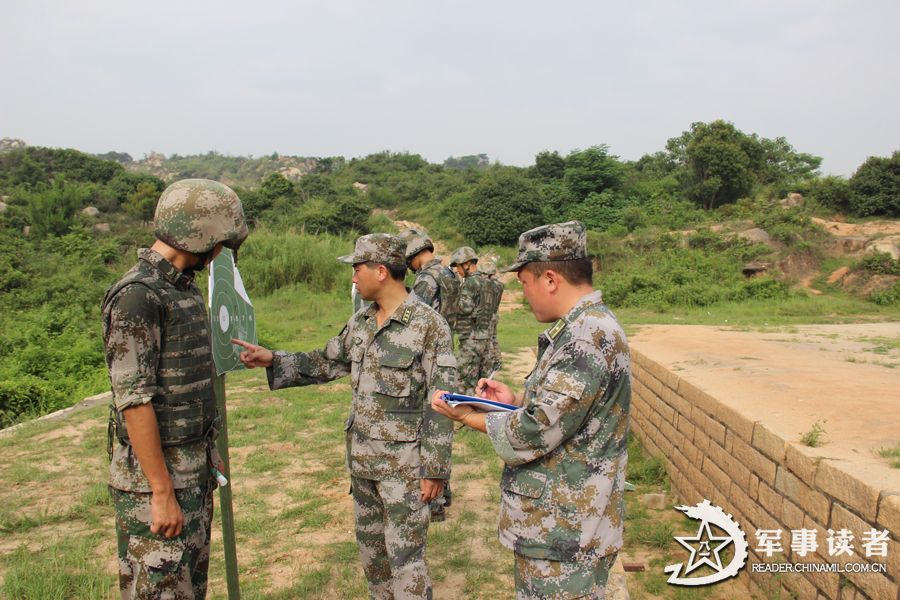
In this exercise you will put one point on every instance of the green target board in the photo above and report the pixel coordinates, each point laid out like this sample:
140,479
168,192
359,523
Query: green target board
230,313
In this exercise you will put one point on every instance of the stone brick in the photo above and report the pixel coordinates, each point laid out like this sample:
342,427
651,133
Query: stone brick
791,514
680,405
800,464
770,500
718,477
874,585
736,422
753,488
715,430
736,471
664,375
848,489
799,586
754,461
701,440
889,513
701,482
697,397
809,500
768,443
654,384
666,411
841,518
686,427
829,583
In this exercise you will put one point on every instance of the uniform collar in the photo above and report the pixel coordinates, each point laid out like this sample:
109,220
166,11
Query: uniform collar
168,271
590,299
434,261
402,314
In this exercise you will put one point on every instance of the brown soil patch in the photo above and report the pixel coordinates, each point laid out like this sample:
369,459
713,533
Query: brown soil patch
869,229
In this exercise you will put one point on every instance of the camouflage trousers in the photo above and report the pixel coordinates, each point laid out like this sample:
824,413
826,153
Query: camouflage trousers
582,578
492,359
469,360
391,530
154,567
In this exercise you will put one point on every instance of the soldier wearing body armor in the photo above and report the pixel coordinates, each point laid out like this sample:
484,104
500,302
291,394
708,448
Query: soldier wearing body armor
565,450
163,419
396,352
492,360
436,285
471,327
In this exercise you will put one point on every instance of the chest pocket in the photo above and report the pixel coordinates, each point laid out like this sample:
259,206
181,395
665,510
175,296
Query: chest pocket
394,379
356,354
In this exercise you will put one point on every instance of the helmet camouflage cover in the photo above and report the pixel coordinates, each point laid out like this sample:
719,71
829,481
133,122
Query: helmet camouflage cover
416,241
196,214
488,267
462,255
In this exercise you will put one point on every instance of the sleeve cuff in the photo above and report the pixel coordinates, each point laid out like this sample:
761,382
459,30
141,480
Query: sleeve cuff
133,399
495,422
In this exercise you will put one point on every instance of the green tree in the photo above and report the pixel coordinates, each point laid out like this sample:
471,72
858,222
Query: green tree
593,170
141,203
501,206
783,165
549,166
51,211
876,187
277,186
720,162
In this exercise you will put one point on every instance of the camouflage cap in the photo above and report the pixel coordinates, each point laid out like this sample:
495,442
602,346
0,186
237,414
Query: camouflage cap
559,241
416,241
196,214
378,247
462,255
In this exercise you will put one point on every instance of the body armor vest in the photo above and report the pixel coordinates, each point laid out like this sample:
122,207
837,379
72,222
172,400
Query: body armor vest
490,303
449,286
185,405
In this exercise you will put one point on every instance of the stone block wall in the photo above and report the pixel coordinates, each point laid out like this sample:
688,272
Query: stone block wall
765,482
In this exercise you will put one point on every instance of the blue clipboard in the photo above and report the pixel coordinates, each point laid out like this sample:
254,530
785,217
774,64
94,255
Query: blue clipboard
478,403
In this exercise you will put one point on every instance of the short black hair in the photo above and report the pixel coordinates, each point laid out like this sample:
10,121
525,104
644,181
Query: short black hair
398,272
578,271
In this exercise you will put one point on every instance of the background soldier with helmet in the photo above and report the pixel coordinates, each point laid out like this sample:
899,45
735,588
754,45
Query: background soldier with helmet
492,360
435,284
470,322
163,419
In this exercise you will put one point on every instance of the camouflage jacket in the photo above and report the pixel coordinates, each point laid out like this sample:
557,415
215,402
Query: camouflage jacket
134,324
470,300
392,431
495,316
565,450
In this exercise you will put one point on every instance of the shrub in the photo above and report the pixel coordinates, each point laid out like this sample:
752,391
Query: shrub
881,263
500,207
888,297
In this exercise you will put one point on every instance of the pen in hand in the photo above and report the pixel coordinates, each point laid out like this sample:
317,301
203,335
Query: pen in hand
483,387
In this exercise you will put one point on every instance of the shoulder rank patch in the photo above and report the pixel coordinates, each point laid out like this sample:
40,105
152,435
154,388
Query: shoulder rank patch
556,329
407,315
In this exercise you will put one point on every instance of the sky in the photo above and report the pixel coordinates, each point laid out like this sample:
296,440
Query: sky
448,78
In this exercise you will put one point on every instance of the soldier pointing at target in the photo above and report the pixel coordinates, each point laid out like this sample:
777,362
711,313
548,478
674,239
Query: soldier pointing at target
163,420
396,352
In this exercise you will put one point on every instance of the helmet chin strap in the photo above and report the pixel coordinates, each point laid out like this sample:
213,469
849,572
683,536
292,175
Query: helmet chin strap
203,258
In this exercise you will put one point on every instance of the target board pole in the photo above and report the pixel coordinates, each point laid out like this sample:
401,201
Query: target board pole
228,541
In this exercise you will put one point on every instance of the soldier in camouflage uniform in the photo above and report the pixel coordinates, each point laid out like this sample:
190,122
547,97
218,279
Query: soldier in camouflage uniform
163,419
562,504
492,360
396,352
436,285
472,332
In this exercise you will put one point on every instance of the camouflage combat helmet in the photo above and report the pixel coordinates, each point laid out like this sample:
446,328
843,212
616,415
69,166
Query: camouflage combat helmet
488,267
196,214
416,241
462,255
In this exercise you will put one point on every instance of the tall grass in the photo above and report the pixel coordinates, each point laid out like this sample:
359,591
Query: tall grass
270,260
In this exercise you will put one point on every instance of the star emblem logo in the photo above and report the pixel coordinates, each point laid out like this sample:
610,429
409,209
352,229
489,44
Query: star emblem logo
705,548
